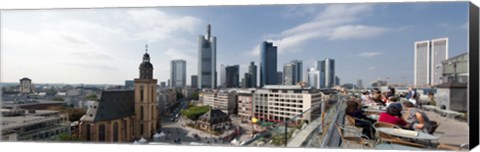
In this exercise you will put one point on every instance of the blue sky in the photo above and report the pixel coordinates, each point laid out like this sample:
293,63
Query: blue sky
368,41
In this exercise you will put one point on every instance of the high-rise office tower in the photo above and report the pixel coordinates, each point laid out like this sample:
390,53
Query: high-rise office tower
337,81
298,73
232,76
194,81
428,57
279,76
326,68
178,73
268,64
252,71
289,70
222,76
313,78
360,84
207,58
247,81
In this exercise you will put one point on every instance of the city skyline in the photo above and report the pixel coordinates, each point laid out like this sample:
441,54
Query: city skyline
98,46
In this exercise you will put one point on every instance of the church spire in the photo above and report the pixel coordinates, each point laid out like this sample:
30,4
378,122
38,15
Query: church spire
146,48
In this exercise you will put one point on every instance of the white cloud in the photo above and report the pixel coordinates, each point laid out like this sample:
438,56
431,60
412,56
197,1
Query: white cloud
356,31
334,22
93,47
370,54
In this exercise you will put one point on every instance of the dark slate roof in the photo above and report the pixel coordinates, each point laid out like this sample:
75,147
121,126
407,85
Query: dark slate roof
25,78
112,105
146,65
214,116
452,84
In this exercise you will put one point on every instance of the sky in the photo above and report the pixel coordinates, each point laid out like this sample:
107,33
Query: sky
368,41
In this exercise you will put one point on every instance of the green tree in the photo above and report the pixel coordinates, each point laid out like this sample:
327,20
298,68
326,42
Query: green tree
67,137
91,97
74,114
195,96
180,95
194,112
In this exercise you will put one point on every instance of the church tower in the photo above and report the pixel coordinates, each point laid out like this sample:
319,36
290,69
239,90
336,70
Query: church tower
146,112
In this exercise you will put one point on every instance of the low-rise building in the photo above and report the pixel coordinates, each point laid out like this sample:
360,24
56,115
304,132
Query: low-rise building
279,103
224,100
214,119
33,125
245,103
167,99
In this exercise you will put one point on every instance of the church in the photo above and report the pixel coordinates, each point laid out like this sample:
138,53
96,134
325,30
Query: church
126,115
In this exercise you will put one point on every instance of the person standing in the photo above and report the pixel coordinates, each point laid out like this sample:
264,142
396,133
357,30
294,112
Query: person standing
412,95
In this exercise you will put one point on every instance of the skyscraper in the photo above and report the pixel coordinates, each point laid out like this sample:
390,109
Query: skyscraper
337,81
326,68
298,72
247,81
268,64
428,56
178,73
289,70
279,76
252,71
207,58
313,78
194,81
232,76
359,84
222,76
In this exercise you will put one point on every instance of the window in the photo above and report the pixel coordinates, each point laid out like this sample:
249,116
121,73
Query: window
141,112
152,113
101,132
141,95
115,132
88,132
141,129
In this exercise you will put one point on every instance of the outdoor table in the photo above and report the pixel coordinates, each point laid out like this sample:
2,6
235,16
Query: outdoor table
373,110
396,147
419,136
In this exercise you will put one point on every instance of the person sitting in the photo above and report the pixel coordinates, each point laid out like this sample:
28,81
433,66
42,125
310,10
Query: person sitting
390,100
353,110
419,119
393,115
377,99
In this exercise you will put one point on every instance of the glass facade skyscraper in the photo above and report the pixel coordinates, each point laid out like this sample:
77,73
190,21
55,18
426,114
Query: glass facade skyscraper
268,64
207,60
178,73
232,74
252,71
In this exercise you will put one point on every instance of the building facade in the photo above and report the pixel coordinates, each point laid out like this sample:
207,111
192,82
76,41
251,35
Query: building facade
280,103
194,81
456,69
268,64
245,104
298,72
26,86
125,115
289,70
33,125
207,60
232,74
178,73
223,100
252,71
313,78
428,58
279,78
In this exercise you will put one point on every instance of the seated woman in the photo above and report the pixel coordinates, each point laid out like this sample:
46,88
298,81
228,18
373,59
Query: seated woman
390,100
353,109
419,119
377,99
394,115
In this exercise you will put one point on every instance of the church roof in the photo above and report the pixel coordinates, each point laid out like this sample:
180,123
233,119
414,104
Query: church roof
214,116
112,105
